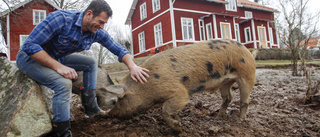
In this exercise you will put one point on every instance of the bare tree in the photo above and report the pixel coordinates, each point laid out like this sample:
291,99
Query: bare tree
119,34
72,4
294,16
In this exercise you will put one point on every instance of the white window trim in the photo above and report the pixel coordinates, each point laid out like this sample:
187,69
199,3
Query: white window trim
21,41
236,26
248,13
142,46
245,34
202,35
155,36
155,9
143,13
187,33
271,36
209,31
33,16
234,2
225,23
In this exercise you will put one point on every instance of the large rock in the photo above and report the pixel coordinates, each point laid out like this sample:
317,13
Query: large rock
25,106
22,108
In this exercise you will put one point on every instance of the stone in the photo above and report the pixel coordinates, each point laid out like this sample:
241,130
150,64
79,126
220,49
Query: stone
26,106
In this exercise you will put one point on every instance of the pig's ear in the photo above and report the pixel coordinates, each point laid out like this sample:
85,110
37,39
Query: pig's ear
117,90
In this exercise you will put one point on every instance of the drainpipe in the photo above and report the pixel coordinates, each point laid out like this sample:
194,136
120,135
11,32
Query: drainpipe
8,37
173,27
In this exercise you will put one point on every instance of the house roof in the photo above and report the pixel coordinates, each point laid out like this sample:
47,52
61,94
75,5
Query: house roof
254,5
241,3
24,3
312,42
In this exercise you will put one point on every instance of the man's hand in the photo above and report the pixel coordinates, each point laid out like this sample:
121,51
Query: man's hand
68,72
139,74
43,58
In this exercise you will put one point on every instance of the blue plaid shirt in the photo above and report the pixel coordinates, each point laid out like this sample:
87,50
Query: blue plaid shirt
60,34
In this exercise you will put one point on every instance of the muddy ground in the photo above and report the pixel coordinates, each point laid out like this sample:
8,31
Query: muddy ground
277,108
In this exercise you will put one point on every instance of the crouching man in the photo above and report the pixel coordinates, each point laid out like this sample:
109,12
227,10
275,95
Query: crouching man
48,57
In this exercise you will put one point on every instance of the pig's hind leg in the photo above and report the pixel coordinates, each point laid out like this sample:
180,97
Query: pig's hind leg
226,98
172,107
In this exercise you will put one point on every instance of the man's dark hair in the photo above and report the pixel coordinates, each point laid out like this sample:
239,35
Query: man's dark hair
98,6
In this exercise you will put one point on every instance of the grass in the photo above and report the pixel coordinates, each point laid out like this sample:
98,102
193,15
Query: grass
264,63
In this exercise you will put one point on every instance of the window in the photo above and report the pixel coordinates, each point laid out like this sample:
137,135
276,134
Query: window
248,14
142,43
187,29
201,29
143,11
158,34
237,31
247,34
23,39
271,35
232,6
209,31
38,16
155,5
225,31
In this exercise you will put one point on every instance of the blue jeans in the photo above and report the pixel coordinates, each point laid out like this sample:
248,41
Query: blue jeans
61,86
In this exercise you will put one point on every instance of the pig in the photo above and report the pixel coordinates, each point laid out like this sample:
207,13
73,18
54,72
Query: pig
178,73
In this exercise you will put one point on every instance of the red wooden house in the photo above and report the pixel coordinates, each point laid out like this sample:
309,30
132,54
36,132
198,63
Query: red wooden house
18,22
164,24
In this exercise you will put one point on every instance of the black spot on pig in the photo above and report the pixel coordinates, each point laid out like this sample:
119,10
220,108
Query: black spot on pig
239,44
225,80
211,46
156,76
215,75
228,67
203,81
232,70
198,89
224,46
209,67
185,78
242,60
172,58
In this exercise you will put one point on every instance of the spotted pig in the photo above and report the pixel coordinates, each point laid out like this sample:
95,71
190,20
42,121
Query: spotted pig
177,73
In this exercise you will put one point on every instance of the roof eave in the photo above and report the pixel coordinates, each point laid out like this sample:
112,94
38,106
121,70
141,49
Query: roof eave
24,3
257,8
132,8
223,2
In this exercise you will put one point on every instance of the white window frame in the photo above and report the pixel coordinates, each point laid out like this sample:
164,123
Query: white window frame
271,36
246,35
143,11
202,30
142,42
248,14
22,39
36,21
229,30
209,31
232,5
156,5
158,39
188,38
237,32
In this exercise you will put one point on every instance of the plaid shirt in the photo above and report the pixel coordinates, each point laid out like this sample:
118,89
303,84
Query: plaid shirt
60,34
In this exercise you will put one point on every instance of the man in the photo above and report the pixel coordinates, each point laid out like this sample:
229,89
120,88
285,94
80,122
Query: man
47,57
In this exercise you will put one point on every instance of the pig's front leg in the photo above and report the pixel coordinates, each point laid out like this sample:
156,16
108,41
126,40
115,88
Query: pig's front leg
172,107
